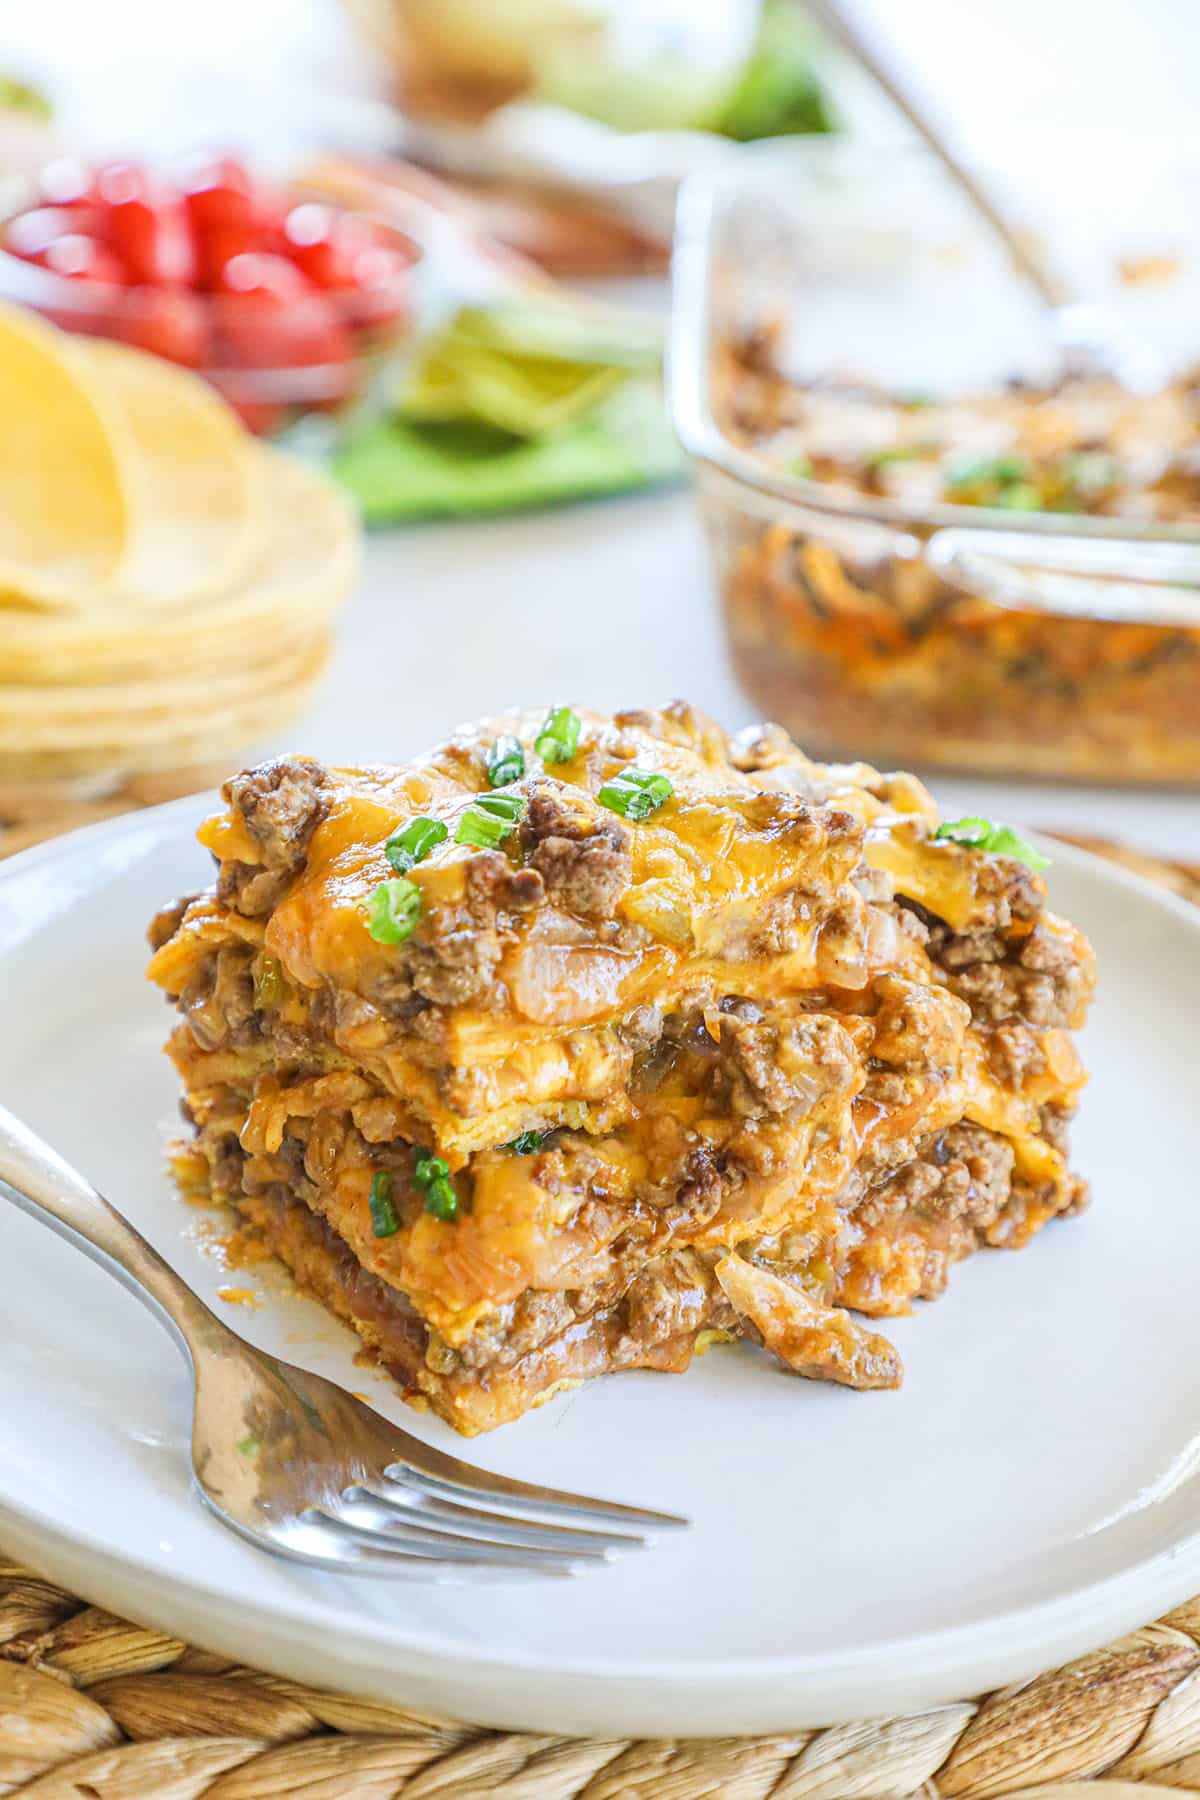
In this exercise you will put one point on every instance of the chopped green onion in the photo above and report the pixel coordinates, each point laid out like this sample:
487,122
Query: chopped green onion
393,910
489,820
249,1447
507,761
558,739
432,1176
635,793
899,453
1091,472
384,1222
270,988
1022,496
801,466
999,840
507,807
1007,468
980,483
405,849
526,1143
441,1200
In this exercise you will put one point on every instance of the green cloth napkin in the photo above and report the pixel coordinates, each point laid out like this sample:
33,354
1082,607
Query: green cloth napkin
400,468
518,399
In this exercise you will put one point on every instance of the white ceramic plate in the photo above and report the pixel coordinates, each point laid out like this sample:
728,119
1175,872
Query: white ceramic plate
1033,1490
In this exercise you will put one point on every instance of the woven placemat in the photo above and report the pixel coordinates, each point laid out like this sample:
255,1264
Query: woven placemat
93,1707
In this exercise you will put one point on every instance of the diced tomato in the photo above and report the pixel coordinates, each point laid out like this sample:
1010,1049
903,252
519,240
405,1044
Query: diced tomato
217,249
147,226
254,336
171,324
219,200
320,341
28,234
264,276
266,312
270,218
82,258
216,188
325,244
273,318
224,275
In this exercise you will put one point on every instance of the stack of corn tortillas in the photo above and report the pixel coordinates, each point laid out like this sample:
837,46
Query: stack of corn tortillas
166,581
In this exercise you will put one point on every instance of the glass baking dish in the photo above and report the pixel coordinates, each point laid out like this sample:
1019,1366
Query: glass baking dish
957,637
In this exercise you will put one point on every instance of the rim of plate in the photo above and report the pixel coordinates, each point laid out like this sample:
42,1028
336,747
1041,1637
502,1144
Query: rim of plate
972,1657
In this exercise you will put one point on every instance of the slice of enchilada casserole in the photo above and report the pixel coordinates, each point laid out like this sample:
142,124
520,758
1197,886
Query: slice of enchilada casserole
582,1042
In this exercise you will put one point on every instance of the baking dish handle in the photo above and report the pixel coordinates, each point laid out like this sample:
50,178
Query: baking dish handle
1115,579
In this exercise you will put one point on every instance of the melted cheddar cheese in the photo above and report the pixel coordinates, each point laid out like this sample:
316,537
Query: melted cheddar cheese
743,1050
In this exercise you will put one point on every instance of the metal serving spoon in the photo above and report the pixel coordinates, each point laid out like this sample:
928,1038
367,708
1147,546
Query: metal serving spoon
299,1466
1092,339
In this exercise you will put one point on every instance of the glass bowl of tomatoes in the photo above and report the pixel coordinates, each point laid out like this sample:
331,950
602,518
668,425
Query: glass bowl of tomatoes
281,300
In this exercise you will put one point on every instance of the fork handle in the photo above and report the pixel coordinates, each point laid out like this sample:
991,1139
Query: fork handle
44,1185
842,20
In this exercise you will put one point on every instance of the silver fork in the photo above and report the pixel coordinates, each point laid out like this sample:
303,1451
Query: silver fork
300,1467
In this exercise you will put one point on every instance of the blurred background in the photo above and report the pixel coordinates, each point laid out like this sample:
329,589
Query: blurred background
475,366
132,67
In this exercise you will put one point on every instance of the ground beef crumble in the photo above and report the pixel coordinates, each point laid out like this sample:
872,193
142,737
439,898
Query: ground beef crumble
965,1173
580,852
218,1002
167,920
281,803
454,959
1037,975
779,1067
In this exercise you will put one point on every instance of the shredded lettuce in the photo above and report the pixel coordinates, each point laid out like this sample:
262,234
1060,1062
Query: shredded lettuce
767,86
780,93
